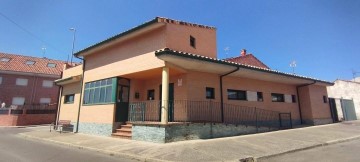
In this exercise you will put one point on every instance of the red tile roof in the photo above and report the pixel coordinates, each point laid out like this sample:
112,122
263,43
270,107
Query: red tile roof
17,63
248,59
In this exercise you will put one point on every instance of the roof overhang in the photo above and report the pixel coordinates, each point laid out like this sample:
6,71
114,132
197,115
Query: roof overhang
134,32
211,65
68,80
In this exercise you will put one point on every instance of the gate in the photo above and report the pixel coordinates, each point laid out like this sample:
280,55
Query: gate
348,109
285,120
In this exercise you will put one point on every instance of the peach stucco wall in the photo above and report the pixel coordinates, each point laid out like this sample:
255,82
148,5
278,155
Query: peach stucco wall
142,87
305,103
320,110
72,71
178,38
198,81
70,111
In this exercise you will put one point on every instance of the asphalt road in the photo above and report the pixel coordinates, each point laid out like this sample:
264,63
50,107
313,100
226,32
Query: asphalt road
14,148
347,152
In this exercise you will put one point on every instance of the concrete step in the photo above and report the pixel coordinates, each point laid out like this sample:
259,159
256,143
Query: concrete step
126,126
121,135
124,130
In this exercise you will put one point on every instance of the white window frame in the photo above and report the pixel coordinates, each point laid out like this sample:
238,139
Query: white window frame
18,101
45,100
48,83
21,81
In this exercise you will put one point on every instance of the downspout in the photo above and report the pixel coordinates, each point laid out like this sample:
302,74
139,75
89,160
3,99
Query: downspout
297,92
221,93
81,89
59,103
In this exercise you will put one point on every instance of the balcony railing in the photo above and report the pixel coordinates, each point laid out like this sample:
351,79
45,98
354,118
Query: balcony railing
204,112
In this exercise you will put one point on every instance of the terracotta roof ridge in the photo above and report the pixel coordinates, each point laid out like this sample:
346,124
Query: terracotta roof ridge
259,60
179,22
26,56
247,55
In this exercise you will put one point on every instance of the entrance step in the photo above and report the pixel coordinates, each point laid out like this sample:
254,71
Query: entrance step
124,131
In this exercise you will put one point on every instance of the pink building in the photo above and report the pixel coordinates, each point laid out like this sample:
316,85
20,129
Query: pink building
162,82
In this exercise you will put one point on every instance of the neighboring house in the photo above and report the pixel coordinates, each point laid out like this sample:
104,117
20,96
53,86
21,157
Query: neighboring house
346,97
28,83
28,80
158,81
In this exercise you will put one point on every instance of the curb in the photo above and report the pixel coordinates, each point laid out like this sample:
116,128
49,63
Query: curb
254,159
111,153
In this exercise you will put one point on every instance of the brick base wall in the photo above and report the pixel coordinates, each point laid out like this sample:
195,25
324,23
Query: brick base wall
26,119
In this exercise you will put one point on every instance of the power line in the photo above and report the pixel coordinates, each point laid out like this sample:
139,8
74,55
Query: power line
30,33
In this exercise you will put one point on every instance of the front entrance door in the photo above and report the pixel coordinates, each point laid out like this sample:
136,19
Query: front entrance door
122,100
333,110
170,102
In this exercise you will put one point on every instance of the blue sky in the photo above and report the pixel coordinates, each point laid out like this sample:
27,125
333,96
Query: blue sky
323,36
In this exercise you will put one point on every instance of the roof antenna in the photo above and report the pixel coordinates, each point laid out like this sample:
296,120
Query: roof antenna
354,73
227,49
293,65
43,51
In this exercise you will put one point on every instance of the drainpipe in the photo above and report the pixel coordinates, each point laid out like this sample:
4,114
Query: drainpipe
59,103
297,92
221,93
81,89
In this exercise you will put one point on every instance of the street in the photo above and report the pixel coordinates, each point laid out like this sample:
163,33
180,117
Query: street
347,151
17,149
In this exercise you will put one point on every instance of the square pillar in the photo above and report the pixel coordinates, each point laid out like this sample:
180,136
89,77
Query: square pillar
165,96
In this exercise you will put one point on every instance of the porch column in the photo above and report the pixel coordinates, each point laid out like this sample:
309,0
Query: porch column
165,96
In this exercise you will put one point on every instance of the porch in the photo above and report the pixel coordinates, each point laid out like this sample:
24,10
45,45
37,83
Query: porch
200,120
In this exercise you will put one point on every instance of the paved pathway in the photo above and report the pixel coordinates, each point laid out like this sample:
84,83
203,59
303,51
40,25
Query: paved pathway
346,151
17,149
221,149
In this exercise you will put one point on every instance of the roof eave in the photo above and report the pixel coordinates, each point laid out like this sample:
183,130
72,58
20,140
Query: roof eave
213,60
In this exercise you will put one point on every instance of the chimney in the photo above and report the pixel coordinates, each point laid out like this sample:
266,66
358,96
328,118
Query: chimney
243,52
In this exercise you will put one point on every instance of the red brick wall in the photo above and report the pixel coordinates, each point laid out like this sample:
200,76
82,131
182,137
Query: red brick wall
26,119
32,92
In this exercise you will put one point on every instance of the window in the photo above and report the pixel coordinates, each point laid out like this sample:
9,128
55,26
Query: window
30,62
18,101
101,91
210,93
325,99
293,97
52,65
4,59
151,94
21,82
260,96
47,83
0,80
277,97
236,94
69,99
45,100
192,41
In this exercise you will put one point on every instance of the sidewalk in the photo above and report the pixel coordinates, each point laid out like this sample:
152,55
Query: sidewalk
221,149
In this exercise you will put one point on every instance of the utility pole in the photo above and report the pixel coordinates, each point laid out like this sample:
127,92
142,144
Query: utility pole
73,44
43,51
293,65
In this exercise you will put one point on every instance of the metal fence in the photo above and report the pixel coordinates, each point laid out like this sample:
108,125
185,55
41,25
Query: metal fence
203,111
29,109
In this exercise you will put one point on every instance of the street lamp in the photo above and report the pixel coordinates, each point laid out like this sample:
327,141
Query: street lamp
73,44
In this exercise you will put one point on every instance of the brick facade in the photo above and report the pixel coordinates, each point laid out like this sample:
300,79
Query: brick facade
32,92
